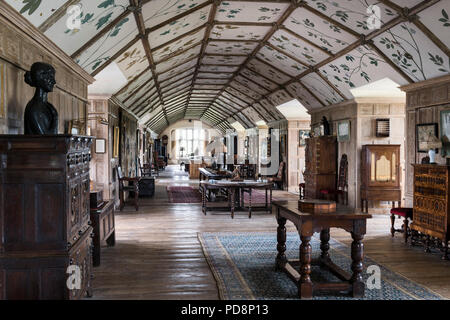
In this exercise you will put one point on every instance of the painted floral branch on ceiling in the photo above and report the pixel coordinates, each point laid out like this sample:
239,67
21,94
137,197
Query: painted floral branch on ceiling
326,39
172,8
408,54
233,13
342,12
358,65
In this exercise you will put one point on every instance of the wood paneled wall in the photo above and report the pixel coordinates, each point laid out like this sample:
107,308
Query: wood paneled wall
21,44
424,102
362,114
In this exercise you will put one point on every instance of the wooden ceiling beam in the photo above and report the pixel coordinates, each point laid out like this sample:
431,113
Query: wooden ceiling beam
116,56
312,44
165,44
209,27
57,15
178,52
137,4
275,26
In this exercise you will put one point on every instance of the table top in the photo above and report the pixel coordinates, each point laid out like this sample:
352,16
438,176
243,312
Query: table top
342,212
214,173
237,184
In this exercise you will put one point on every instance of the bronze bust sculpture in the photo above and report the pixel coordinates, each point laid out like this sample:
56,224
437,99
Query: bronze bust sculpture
40,116
326,126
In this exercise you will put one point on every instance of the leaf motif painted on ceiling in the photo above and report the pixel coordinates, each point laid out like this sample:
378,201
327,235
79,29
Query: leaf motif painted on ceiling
105,4
103,20
30,6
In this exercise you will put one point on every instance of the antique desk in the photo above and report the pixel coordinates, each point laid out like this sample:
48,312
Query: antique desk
235,191
307,224
103,223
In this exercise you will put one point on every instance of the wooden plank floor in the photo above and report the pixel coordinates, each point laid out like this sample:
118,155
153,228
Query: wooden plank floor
157,254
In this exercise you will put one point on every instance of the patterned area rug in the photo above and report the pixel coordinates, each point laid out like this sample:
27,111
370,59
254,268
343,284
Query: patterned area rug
178,194
244,267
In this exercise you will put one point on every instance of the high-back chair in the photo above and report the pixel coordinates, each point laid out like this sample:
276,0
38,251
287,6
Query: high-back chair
134,187
342,183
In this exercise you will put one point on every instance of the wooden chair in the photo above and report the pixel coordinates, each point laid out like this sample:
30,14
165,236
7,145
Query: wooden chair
133,186
279,178
146,169
342,185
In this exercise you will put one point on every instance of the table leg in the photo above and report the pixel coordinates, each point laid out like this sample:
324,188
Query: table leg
305,285
250,203
270,198
324,244
357,265
233,191
281,259
445,253
96,252
111,241
267,204
204,200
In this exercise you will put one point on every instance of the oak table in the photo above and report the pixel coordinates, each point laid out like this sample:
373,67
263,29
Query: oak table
235,191
307,224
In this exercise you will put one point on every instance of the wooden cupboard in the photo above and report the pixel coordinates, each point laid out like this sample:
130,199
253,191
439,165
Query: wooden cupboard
44,216
380,174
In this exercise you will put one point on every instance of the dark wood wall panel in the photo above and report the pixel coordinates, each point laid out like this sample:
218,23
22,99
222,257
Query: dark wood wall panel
20,46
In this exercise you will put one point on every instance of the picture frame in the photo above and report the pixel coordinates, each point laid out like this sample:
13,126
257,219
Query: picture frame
100,146
445,132
116,142
302,136
422,130
343,131
75,127
318,130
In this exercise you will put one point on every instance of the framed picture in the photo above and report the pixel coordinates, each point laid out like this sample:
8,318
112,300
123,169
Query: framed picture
423,132
318,130
75,127
445,133
116,142
100,146
302,136
343,131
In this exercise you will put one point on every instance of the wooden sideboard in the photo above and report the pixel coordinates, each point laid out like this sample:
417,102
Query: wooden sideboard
320,163
380,174
44,216
431,214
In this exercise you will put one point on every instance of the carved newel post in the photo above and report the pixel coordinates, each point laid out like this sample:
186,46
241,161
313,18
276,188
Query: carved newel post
40,116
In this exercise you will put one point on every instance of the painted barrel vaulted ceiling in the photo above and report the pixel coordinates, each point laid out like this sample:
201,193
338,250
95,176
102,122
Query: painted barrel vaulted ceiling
227,61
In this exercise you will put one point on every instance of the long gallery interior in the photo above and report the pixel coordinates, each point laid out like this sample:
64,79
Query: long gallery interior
224,150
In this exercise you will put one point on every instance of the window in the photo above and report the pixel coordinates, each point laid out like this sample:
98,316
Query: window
190,141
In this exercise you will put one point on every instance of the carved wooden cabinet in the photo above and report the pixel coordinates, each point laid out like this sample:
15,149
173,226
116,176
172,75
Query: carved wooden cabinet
380,174
431,202
320,165
44,216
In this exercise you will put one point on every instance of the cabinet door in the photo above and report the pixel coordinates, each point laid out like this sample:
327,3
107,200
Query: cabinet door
74,214
383,166
84,204
82,259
